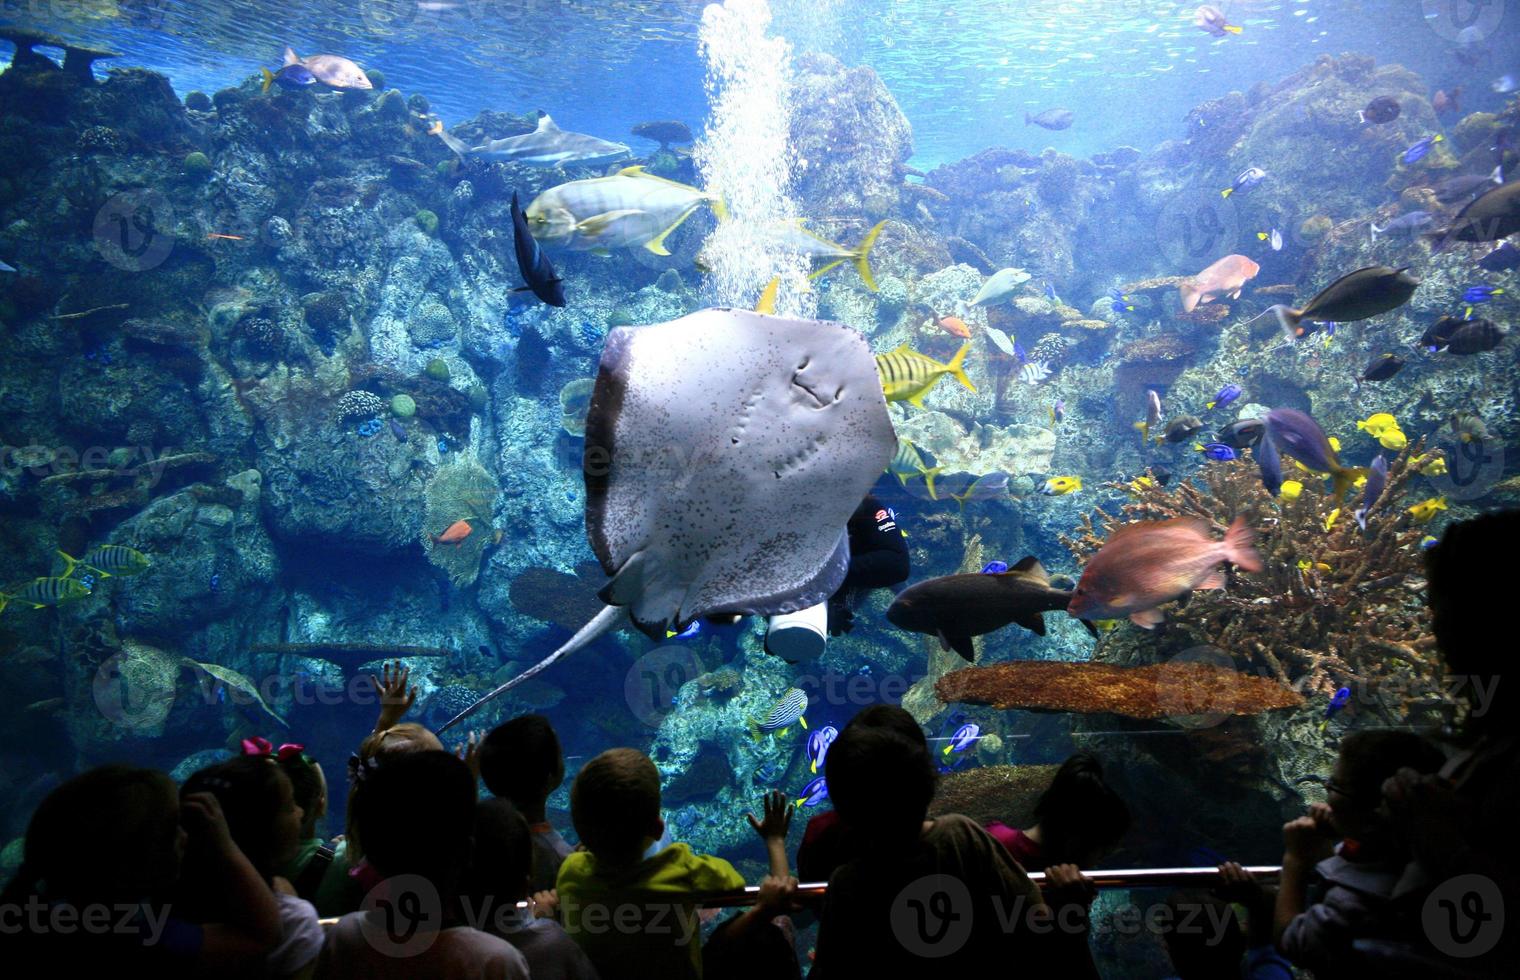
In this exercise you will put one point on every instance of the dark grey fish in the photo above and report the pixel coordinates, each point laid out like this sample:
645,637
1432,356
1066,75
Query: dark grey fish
1377,479
1491,217
1357,295
1454,189
1383,109
1474,337
1383,367
1182,428
1242,434
398,430
1052,119
957,607
1505,258
1407,225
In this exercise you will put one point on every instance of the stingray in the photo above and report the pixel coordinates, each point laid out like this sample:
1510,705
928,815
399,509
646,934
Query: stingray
725,452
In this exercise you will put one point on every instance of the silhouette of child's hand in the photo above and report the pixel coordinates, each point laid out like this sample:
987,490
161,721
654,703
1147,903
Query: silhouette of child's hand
777,895
544,904
469,751
395,698
1239,885
778,816
201,813
1065,884
1304,838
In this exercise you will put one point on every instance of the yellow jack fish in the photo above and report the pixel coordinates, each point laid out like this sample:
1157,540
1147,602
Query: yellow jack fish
907,375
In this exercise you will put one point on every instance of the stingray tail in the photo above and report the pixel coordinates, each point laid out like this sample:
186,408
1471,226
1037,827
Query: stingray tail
957,370
862,251
609,619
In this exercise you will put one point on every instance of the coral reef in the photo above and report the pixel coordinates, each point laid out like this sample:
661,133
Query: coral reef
1353,595
988,793
461,491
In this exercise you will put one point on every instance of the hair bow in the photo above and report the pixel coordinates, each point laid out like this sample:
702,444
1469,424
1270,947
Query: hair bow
258,745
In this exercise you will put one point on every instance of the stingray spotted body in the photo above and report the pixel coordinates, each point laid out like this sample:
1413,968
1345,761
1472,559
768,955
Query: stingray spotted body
691,515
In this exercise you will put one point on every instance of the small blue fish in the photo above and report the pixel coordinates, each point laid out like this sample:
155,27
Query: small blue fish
818,746
995,568
1339,700
1050,292
216,582
398,430
221,694
964,737
1419,148
1482,293
1248,179
1018,353
814,793
1428,542
1118,302
443,446
1226,395
291,76
1219,452
693,630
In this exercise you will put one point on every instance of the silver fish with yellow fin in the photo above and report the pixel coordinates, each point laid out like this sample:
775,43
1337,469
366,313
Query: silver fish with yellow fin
629,209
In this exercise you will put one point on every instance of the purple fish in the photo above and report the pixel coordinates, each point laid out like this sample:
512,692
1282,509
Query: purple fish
1227,394
1270,463
1298,435
1377,479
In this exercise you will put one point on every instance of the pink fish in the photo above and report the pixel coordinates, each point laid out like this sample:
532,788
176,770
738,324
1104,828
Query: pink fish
1223,278
1148,563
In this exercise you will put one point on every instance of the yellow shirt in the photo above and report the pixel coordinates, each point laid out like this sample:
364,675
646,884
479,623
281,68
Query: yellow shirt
613,917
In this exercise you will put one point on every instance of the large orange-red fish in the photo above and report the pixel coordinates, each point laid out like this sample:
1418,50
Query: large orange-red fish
455,534
954,326
1223,278
1148,563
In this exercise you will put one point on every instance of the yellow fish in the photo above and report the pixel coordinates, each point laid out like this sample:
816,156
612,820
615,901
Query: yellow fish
1106,625
1138,484
1059,486
1291,489
1305,565
1423,511
767,302
907,375
1429,464
1385,429
1330,518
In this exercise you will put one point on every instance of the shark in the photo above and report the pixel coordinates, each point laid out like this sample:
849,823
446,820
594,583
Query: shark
546,146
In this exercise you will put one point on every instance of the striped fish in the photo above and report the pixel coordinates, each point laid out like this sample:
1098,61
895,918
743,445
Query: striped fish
107,560
789,709
1034,372
46,592
908,462
907,375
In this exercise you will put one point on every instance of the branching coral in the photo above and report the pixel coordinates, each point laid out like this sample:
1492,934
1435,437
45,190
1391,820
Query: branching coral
1333,607
1180,688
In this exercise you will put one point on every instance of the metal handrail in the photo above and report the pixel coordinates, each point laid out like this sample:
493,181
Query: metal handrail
1116,878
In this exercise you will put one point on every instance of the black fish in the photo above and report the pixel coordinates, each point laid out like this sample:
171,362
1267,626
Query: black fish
1383,109
1474,337
1182,428
1491,217
1383,367
533,263
1438,334
1161,475
1052,119
957,607
1505,258
1454,189
1357,295
1242,434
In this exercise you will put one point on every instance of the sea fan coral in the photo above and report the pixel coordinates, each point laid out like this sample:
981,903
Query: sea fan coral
1333,607
463,491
